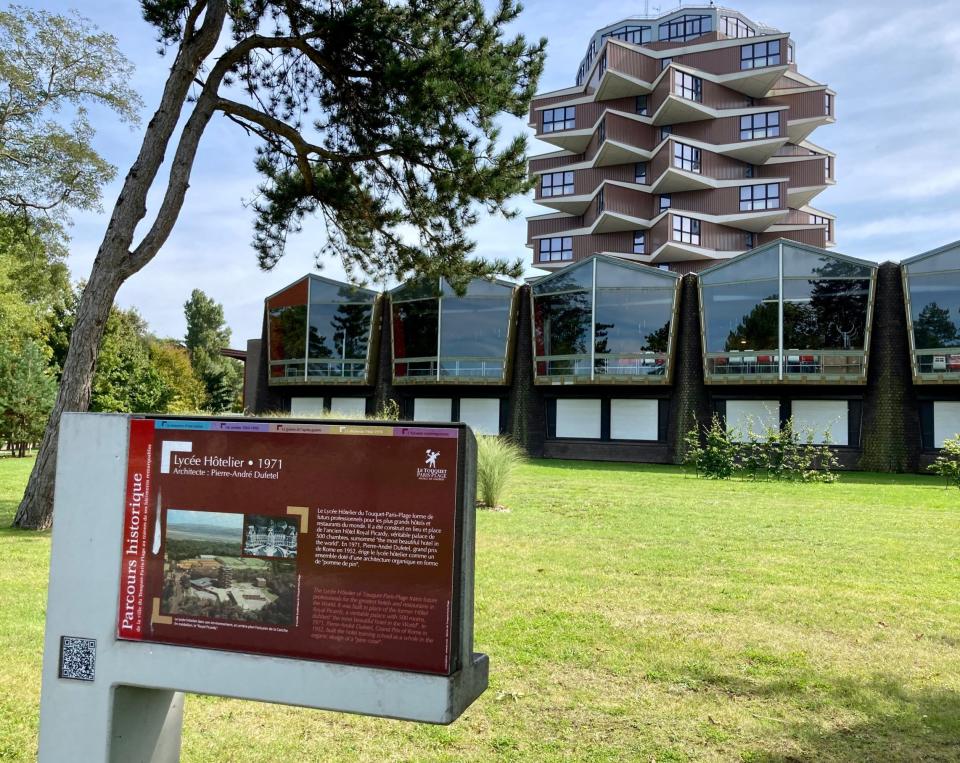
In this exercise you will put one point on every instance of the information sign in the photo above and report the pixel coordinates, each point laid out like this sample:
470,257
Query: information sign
317,541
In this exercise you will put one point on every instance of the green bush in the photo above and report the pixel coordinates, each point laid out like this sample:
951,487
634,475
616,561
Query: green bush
773,452
497,457
947,464
714,454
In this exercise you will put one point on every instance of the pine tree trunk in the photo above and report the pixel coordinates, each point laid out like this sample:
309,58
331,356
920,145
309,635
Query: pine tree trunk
117,260
36,508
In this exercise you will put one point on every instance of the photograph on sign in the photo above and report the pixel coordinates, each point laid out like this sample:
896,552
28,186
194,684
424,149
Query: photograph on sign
314,541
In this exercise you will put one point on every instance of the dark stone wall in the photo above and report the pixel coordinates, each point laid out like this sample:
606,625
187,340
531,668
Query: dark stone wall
384,390
891,422
689,403
528,424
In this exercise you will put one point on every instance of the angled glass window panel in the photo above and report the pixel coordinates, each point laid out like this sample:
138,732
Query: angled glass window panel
415,329
802,263
612,275
825,314
741,316
632,321
948,259
288,337
640,106
758,265
475,329
562,324
577,277
640,173
481,287
664,202
323,291
340,331
425,288
935,310
639,242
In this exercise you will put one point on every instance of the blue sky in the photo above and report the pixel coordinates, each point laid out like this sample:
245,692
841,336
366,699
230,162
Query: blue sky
895,66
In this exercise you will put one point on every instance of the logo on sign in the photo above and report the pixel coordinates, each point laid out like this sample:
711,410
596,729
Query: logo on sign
431,471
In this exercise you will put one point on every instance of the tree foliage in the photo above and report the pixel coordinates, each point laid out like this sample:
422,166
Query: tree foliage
126,379
27,392
207,334
187,393
54,68
377,116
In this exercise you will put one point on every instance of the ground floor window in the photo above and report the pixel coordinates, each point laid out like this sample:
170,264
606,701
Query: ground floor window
946,421
344,407
608,419
484,415
834,421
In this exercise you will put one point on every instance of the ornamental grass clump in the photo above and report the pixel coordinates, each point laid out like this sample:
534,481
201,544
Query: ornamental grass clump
497,458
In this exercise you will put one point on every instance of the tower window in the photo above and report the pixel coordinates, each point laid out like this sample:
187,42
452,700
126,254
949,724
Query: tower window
686,157
689,87
759,197
754,126
686,230
564,118
556,184
639,242
556,249
760,54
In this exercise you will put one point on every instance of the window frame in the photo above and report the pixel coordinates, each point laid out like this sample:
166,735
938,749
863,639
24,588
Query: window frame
759,197
567,122
640,240
687,86
751,131
564,184
688,229
682,161
751,55
561,250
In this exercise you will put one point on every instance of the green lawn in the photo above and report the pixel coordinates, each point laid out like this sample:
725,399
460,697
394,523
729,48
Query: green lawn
633,613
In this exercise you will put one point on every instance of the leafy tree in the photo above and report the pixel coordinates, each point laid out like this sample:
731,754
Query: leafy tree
172,363
27,391
34,279
379,116
126,379
947,464
207,334
53,68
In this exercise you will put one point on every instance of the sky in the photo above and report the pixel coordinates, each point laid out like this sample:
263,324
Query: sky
895,67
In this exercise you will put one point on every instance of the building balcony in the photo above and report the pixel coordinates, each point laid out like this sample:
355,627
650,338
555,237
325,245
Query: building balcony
794,366
798,130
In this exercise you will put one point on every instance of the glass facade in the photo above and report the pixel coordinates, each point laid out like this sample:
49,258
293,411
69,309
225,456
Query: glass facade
787,313
932,290
604,320
440,336
319,332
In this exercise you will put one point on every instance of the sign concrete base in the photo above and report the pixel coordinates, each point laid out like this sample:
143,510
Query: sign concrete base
123,700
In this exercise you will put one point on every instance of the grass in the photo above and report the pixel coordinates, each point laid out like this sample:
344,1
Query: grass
634,613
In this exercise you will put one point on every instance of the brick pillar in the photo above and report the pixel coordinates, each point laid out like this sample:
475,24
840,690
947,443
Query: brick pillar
689,402
891,420
383,363
263,397
527,424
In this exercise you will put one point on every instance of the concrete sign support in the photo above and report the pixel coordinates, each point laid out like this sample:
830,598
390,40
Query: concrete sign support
327,565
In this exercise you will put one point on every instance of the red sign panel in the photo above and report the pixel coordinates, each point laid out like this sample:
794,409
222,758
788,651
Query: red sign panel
316,541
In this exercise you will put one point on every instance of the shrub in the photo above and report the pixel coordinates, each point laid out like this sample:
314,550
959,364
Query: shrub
497,457
714,455
773,452
947,464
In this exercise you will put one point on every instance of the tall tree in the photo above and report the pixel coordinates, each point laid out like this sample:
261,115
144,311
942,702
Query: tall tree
207,334
377,115
172,362
53,68
27,390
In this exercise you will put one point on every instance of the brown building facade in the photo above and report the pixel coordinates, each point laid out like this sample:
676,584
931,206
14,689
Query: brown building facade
685,141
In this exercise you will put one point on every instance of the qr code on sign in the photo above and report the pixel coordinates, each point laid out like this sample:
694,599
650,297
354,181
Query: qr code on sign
78,658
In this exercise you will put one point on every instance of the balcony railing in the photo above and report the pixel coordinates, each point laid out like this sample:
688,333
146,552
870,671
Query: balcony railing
646,367
939,365
327,371
459,369
797,365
